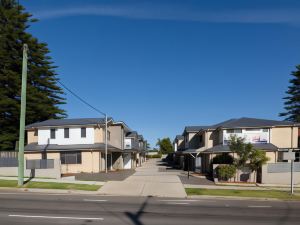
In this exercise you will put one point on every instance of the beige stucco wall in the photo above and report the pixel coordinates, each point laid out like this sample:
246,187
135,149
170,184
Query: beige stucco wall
89,163
99,137
272,157
282,137
31,138
116,136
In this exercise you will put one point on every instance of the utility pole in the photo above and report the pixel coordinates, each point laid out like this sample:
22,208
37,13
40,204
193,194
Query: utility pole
22,117
106,143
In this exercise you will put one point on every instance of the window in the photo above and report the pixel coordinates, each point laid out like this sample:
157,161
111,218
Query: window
108,135
66,132
52,134
297,156
253,130
265,130
83,132
35,132
234,131
70,157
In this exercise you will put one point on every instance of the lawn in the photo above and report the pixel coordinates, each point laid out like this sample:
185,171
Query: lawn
50,185
284,195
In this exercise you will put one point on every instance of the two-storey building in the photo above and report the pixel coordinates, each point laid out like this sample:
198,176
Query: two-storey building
80,144
202,143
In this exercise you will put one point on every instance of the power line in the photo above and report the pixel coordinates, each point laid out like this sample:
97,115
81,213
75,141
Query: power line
81,99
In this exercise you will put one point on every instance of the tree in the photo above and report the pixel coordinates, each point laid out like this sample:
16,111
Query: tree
257,159
292,100
44,96
165,146
243,150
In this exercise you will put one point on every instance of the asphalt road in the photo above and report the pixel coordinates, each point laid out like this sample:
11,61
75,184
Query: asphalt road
44,209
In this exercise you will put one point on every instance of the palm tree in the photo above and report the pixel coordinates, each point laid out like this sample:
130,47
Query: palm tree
257,159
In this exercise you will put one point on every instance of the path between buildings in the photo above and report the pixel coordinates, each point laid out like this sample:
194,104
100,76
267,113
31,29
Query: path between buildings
149,180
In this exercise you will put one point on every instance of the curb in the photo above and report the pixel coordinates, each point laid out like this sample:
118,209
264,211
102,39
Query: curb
237,198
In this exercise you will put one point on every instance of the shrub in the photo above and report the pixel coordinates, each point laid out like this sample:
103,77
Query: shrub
225,172
154,156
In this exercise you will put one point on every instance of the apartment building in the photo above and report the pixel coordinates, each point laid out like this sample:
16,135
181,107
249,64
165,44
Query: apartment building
79,144
200,144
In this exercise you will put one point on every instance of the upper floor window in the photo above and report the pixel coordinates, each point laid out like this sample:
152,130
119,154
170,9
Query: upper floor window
83,132
234,131
52,134
66,133
252,130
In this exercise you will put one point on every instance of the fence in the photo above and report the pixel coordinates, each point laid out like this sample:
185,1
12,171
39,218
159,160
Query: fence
8,154
280,173
40,164
8,162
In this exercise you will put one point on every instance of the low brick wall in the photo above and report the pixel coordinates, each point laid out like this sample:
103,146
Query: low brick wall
45,173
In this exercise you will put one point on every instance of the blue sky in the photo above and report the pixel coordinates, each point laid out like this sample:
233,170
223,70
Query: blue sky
161,65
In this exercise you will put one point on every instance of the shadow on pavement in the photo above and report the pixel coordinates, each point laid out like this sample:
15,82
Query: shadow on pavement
136,217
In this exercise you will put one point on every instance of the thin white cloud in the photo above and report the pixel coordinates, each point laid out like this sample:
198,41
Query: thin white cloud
284,16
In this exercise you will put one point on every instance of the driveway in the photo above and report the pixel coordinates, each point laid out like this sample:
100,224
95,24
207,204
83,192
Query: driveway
148,180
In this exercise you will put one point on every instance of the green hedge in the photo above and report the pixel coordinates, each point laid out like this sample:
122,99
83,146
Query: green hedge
225,172
156,156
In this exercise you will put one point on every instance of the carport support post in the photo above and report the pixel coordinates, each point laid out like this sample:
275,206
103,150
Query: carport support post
22,118
188,165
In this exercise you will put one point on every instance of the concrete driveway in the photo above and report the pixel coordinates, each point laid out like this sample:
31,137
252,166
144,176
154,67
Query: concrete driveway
147,181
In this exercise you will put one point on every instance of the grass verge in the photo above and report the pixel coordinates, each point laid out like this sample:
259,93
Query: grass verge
51,185
284,195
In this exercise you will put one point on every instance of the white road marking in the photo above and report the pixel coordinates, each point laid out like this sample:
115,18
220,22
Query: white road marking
178,203
179,200
58,217
95,200
259,206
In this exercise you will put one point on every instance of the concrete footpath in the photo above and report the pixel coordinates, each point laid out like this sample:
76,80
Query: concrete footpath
147,181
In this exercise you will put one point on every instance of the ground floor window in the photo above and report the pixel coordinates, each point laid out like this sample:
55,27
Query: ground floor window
70,157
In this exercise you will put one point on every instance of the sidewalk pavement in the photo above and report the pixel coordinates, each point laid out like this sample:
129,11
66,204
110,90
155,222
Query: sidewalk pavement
69,181
147,181
230,187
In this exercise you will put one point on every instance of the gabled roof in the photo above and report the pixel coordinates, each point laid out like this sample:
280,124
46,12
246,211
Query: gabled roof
189,129
243,122
68,122
179,137
252,122
225,148
132,134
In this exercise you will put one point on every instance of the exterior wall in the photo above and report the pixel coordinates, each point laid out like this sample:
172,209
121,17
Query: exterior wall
117,161
278,178
89,164
31,138
128,143
99,137
42,173
273,157
193,141
282,137
116,136
74,136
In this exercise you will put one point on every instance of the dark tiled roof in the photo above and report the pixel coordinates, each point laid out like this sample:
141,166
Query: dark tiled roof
54,147
241,123
68,122
225,148
132,134
195,128
252,122
179,137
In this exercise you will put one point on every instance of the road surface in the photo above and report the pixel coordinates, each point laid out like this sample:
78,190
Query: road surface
36,209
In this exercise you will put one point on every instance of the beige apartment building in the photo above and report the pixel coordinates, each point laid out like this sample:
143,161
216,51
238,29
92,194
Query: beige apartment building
79,144
200,144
